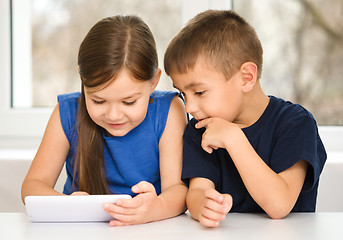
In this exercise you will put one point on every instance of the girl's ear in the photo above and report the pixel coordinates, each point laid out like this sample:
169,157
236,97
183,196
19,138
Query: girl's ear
155,79
248,75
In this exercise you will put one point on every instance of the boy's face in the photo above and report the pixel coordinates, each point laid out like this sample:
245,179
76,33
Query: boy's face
208,93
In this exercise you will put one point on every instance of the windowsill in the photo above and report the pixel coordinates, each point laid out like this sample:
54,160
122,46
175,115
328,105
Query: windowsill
15,163
17,154
334,157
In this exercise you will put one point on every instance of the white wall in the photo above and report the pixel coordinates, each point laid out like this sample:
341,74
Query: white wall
330,192
13,168
15,164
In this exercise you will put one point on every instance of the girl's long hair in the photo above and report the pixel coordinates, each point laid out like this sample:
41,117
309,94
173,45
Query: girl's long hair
111,45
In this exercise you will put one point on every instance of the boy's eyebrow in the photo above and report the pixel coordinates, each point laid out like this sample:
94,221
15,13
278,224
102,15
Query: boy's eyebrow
191,85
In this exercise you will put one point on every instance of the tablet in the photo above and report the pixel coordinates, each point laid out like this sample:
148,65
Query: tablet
71,208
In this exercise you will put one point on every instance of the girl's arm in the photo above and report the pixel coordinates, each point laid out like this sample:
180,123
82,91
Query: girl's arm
147,206
49,160
172,199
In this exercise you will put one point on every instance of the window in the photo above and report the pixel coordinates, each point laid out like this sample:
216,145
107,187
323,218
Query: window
41,44
31,75
303,52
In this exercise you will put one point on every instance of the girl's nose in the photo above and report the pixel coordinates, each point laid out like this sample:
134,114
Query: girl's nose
113,113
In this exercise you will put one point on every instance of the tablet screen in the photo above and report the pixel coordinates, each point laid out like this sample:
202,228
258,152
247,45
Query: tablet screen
71,208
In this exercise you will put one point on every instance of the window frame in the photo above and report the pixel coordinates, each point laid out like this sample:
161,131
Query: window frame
22,123
24,127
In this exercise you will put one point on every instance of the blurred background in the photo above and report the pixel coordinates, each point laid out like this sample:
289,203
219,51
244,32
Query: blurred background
303,62
302,41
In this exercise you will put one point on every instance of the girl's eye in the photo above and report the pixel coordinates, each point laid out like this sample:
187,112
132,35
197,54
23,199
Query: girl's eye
98,102
129,103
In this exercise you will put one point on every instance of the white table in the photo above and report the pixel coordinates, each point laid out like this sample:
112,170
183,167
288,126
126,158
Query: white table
245,226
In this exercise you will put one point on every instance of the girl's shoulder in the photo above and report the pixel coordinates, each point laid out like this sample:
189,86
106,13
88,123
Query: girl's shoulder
159,106
68,107
69,96
163,95
160,101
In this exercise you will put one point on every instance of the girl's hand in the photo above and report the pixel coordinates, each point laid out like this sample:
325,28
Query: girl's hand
136,210
214,208
80,193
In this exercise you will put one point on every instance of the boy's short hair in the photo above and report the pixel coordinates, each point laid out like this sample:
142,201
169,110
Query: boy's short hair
221,37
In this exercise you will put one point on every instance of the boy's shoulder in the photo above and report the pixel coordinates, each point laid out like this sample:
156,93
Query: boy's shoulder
283,110
282,118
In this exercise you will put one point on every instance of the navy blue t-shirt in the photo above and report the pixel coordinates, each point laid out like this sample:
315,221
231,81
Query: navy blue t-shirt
285,134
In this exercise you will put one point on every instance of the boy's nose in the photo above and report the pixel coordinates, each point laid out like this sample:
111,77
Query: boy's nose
190,107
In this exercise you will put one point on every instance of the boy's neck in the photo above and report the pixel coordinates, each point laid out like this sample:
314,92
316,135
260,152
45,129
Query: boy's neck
254,105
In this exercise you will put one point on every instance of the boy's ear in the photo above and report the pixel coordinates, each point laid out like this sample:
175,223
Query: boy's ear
248,75
155,79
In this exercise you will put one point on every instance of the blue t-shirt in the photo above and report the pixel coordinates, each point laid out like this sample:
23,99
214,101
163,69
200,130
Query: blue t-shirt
285,134
128,159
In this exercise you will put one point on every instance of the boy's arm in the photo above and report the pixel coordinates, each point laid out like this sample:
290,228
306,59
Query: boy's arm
146,206
48,162
205,204
275,193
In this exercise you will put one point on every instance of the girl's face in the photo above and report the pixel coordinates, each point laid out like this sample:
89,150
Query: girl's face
122,105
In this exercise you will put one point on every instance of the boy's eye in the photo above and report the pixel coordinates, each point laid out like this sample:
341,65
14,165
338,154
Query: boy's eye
129,103
199,93
98,102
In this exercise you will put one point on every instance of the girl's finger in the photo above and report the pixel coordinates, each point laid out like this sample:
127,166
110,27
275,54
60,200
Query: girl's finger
143,187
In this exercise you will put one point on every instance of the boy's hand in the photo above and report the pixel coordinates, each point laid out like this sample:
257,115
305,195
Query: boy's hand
218,132
214,208
135,210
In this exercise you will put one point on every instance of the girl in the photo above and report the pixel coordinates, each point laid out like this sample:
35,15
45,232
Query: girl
118,135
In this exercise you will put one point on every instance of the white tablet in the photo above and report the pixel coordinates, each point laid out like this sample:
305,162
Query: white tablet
71,208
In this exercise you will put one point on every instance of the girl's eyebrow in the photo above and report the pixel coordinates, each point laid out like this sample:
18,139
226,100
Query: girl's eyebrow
95,96
138,94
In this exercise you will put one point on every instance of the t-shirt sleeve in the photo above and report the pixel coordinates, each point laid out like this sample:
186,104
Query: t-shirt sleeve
196,161
299,140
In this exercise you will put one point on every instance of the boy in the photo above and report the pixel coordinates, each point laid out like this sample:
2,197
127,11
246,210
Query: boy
244,151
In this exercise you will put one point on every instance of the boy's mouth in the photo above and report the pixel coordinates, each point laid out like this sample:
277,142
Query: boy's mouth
200,119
